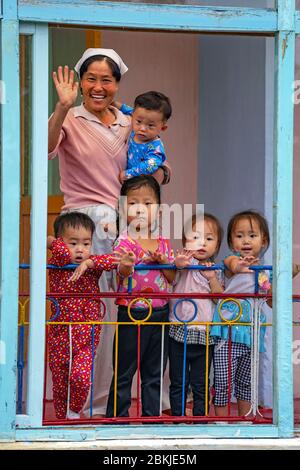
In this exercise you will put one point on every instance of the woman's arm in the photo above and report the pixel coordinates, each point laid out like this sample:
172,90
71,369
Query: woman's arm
67,91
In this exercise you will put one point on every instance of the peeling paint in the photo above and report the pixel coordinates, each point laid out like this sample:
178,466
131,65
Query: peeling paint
284,47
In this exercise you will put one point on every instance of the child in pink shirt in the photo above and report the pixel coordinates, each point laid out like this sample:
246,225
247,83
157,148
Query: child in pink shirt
202,244
141,246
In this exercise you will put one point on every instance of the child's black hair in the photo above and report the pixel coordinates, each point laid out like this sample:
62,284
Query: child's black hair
210,218
154,101
250,215
138,182
74,220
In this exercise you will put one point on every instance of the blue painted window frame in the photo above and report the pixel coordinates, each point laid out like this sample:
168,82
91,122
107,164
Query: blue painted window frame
35,15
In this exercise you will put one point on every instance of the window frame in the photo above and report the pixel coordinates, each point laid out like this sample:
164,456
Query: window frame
32,17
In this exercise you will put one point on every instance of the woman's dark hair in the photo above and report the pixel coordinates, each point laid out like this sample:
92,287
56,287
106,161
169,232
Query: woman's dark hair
209,218
251,215
112,65
139,181
154,101
74,220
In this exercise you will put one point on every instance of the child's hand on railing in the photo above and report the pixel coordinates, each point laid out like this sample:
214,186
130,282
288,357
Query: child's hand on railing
81,269
242,264
183,258
126,262
211,274
157,257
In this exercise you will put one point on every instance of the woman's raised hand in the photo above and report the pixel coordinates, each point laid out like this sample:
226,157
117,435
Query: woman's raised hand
66,87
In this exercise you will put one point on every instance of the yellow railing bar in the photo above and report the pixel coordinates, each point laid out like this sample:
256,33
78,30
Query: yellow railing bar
22,305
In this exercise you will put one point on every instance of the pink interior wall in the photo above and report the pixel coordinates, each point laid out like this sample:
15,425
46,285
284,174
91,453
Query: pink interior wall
166,62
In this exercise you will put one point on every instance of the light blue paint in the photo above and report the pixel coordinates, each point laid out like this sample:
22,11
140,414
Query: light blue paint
297,21
150,16
145,432
10,197
286,15
38,226
283,210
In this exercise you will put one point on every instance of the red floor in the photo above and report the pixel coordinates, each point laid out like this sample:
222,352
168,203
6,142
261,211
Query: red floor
267,413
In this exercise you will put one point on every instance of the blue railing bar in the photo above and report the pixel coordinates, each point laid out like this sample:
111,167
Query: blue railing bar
183,371
257,269
20,366
53,299
51,266
140,267
129,287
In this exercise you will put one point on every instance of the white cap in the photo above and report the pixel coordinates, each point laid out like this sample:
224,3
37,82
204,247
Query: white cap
106,52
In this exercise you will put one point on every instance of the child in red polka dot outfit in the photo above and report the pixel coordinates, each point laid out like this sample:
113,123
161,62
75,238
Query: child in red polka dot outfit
70,347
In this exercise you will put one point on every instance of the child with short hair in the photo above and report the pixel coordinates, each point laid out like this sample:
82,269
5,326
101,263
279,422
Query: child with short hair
70,349
146,151
248,238
201,244
141,244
